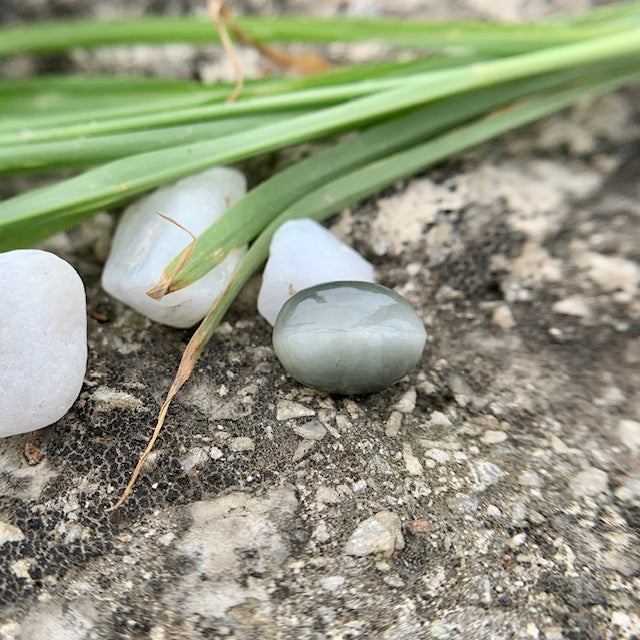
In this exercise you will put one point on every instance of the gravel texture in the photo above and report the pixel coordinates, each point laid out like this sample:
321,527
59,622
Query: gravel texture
494,493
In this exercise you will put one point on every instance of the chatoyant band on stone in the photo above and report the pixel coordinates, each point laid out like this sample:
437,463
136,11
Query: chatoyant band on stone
348,337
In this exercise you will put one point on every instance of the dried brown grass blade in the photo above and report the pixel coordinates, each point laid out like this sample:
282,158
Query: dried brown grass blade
187,363
221,15
163,286
306,63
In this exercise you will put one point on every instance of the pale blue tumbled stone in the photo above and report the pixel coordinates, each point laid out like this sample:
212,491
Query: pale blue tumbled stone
348,337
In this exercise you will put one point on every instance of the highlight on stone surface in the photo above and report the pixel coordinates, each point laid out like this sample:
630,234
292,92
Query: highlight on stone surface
348,337
43,339
144,243
303,253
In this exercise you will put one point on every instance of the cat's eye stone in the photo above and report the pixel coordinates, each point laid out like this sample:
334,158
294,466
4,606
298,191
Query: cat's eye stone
43,339
144,243
348,337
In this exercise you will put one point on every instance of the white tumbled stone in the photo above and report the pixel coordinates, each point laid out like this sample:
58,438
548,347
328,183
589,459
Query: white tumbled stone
144,243
303,254
43,339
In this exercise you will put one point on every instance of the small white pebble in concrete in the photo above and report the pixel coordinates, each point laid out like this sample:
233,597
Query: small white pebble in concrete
518,540
411,463
332,583
287,409
43,339
10,533
558,446
360,486
393,425
625,622
303,254
502,317
157,633
574,306
327,495
241,443
407,402
518,512
215,453
439,419
343,423
321,533
108,399
530,479
590,482
382,533
166,539
21,569
438,455
493,436
194,460
303,449
312,430
487,474
614,273
629,434
394,581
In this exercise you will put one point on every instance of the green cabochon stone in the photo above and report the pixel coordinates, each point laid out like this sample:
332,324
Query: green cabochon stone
348,337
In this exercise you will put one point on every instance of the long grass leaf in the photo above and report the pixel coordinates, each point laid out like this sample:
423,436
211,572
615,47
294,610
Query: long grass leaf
478,36
87,151
50,103
31,216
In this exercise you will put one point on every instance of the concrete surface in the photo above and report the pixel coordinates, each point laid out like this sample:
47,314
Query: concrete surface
492,494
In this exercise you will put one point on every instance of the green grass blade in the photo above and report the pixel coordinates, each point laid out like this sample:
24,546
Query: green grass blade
49,37
31,101
31,216
88,151
168,114
51,102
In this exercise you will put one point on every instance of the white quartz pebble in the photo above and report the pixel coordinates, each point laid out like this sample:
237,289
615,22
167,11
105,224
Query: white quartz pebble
144,243
303,254
43,339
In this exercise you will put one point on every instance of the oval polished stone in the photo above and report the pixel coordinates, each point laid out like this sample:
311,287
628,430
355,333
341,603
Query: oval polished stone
348,337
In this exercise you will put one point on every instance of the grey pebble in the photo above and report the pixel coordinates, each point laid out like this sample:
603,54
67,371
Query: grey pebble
348,337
